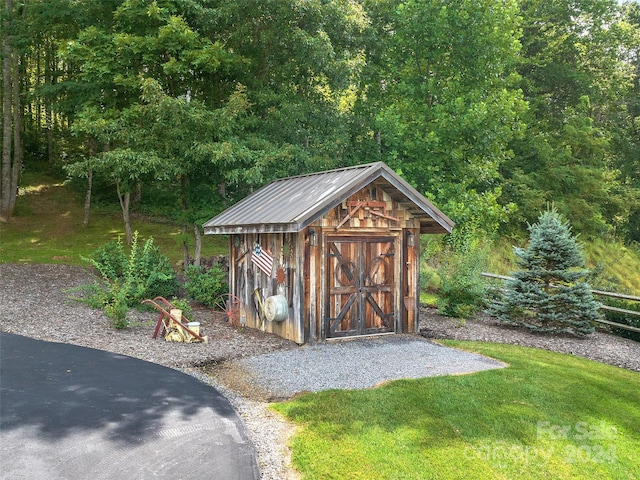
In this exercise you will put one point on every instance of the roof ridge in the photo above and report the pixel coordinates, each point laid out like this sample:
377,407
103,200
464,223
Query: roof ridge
363,166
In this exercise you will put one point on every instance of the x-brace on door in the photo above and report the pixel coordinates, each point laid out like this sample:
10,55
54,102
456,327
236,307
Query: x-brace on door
360,275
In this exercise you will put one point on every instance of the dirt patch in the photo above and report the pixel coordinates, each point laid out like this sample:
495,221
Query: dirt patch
240,380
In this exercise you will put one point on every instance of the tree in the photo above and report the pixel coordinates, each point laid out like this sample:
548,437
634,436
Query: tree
451,103
626,139
11,113
146,47
251,94
436,88
576,76
549,294
302,64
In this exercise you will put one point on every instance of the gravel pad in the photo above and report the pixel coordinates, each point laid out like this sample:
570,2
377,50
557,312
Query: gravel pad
359,364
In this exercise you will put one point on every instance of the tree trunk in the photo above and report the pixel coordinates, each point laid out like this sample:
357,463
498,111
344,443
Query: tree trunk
124,204
185,246
49,76
49,130
7,123
185,206
18,148
87,199
198,248
38,99
87,196
137,195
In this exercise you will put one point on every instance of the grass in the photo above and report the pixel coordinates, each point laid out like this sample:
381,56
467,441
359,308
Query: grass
428,298
47,227
620,263
545,416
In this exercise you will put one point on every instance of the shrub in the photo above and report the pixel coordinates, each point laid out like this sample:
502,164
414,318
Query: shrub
126,281
461,287
205,285
183,305
110,260
117,306
430,281
155,269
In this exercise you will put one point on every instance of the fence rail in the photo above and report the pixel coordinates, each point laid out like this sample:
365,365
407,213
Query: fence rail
620,296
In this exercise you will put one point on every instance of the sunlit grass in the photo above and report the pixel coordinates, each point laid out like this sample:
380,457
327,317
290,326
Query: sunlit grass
428,298
621,263
545,416
28,189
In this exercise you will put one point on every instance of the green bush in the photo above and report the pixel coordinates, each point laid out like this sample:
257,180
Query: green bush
183,305
430,281
462,289
156,271
205,285
127,280
117,305
110,260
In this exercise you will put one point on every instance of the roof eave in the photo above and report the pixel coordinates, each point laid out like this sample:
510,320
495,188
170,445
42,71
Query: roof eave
242,229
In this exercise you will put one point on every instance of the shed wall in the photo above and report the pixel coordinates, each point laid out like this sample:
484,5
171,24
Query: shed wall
248,282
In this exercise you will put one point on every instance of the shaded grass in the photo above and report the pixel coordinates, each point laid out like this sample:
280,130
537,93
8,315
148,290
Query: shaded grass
546,416
47,227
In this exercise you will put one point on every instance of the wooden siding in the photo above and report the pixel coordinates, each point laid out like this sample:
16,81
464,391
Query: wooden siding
370,210
247,280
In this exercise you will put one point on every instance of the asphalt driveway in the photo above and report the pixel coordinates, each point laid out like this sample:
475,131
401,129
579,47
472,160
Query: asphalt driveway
69,412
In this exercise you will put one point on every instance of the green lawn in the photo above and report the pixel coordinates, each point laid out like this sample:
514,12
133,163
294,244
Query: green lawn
47,228
546,416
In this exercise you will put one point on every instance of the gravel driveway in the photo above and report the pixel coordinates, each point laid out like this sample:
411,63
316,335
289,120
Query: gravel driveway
358,364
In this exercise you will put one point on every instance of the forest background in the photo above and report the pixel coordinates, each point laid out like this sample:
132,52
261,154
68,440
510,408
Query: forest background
494,109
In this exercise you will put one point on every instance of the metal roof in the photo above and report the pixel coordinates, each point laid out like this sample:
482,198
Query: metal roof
291,204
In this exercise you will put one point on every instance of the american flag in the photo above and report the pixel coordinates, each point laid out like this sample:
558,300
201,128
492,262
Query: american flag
262,258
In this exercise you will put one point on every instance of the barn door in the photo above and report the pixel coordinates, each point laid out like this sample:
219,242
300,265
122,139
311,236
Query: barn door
360,275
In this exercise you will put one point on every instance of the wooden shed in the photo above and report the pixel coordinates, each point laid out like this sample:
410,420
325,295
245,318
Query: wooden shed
330,254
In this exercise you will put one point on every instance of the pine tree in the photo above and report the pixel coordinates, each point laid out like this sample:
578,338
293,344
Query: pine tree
549,293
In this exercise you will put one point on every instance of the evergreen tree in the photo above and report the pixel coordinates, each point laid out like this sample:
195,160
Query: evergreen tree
549,293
